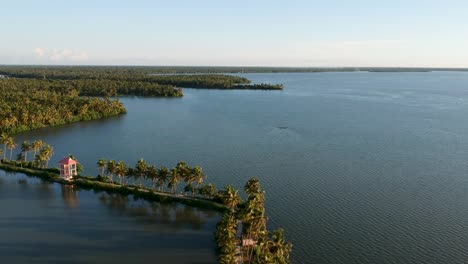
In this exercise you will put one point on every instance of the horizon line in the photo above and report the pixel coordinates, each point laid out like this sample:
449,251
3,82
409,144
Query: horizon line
236,66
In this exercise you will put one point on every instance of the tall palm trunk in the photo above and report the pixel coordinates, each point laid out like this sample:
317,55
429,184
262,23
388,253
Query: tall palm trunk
11,153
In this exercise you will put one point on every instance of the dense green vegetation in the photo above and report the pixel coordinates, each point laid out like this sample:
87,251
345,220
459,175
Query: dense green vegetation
255,244
129,80
30,104
40,96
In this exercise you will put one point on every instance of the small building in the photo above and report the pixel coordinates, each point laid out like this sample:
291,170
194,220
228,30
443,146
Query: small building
67,168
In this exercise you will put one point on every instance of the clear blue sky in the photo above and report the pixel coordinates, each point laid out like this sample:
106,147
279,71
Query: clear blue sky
413,33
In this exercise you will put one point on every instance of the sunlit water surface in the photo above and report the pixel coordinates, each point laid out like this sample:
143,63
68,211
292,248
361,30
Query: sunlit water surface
357,167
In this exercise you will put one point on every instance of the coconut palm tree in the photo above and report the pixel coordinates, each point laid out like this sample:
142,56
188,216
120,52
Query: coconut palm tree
111,169
152,174
183,171
226,238
140,170
4,140
163,176
252,186
101,164
230,197
208,190
25,148
11,145
121,170
37,145
40,160
20,158
174,180
273,249
193,175
198,175
131,175
47,152
279,247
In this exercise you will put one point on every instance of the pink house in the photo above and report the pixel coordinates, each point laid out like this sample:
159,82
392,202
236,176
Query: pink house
67,168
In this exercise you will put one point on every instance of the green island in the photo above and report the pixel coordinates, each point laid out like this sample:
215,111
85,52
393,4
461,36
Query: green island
39,96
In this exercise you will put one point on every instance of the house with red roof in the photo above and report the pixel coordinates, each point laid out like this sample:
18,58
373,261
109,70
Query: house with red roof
67,168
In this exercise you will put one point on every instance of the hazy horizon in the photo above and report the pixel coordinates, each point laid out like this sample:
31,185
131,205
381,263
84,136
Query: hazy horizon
332,34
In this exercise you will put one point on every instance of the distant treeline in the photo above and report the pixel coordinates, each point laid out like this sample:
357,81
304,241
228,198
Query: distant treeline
88,71
130,80
28,104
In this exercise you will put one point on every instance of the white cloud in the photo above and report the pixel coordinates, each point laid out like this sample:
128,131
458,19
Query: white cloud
58,55
39,52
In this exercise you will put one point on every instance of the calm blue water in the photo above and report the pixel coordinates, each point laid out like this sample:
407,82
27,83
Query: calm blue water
52,223
357,167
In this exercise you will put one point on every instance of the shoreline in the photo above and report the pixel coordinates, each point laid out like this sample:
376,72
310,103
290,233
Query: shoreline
92,183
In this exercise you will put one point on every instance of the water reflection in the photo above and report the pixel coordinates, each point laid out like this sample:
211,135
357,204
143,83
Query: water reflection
97,226
69,195
175,215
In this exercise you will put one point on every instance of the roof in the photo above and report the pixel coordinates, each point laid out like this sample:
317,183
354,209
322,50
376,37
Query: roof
67,161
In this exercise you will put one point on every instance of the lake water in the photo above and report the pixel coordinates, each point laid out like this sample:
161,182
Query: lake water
52,223
357,167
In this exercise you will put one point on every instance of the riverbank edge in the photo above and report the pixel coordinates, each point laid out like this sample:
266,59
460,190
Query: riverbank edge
92,183
18,131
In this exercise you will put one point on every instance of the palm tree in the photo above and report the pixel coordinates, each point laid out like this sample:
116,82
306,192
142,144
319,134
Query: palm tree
274,249
279,247
111,169
40,159
1,153
198,175
11,145
163,176
208,190
226,238
20,158
120,170
4,140
140,170
174,180
37,145
47,152
131,175
231,197
252,186
183,171
101,164
191,176
25,148
152,174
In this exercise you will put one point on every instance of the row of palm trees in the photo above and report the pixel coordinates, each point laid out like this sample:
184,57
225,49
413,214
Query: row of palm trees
256,244
42,152
159,178
8,142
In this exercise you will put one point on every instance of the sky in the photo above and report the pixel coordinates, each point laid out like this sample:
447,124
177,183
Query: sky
309,33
